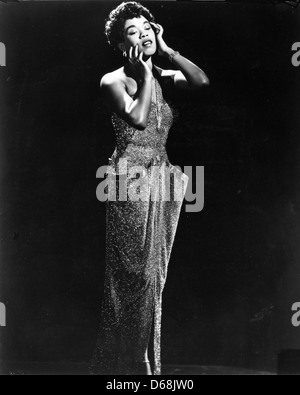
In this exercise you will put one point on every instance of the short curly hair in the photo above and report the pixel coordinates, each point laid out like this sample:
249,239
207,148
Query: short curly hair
115,23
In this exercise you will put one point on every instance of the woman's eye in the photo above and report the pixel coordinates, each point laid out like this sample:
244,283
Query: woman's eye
132,33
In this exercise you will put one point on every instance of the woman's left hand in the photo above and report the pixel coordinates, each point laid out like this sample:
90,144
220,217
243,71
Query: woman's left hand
162,47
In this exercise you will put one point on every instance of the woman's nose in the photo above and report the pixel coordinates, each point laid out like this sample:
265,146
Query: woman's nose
144,34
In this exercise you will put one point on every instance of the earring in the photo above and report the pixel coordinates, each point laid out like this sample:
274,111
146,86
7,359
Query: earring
124,54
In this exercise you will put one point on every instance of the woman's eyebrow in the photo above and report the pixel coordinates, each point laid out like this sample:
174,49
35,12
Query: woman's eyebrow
127,28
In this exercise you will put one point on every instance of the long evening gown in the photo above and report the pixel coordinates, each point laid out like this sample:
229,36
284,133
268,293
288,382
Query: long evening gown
139,239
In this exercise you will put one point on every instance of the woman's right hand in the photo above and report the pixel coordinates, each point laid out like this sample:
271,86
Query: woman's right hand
136,59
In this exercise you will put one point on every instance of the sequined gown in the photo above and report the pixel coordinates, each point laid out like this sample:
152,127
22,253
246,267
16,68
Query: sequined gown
139,239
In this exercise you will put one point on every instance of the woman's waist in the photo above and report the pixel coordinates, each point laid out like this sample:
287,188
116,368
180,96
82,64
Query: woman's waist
140,155
140,151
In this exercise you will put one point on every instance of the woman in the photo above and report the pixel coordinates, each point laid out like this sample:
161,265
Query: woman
140,233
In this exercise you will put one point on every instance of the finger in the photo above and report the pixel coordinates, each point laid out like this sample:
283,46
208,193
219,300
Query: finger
131,55
160,28
155,27
158,25
137,51
141,57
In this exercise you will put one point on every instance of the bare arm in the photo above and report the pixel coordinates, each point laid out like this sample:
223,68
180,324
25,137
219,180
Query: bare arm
189,76
134,111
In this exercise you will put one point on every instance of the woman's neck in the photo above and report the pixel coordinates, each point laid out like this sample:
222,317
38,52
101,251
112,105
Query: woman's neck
149,63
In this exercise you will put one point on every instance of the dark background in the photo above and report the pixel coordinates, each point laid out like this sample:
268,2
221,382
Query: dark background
234,266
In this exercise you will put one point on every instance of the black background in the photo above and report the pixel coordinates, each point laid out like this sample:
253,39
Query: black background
234,266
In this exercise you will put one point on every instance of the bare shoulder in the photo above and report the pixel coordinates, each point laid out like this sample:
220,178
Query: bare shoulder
114,78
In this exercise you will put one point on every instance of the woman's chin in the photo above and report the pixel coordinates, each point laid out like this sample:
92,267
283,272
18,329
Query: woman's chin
148,52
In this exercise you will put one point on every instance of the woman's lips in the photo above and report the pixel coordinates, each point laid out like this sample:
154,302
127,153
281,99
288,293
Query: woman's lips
147,43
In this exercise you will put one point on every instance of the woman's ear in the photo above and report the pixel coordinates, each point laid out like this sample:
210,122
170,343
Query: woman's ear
121,47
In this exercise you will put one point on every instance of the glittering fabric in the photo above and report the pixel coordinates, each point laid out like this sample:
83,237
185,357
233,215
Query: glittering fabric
139,240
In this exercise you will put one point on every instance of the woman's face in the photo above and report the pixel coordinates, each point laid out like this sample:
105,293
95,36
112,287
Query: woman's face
138,31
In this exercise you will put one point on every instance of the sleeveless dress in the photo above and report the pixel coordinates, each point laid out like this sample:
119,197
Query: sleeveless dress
139,239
